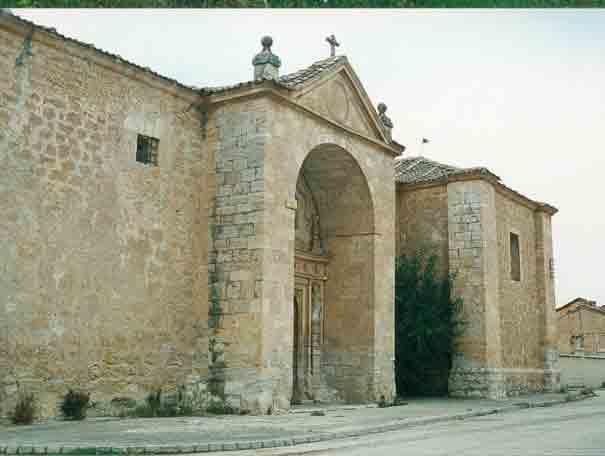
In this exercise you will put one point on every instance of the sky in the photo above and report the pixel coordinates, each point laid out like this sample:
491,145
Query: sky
521,92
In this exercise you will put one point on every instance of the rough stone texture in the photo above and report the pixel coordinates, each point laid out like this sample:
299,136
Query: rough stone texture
422,218
237,135
261,147
511,345
545,278
473,257
353,186
103,259
521,316
507,346
120,278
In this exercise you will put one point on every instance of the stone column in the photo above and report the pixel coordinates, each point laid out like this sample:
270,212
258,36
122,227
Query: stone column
546,295
473,258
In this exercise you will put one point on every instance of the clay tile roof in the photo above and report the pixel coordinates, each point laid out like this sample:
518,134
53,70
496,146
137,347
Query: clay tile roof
314,71
413,170
582,302
288,81
421,170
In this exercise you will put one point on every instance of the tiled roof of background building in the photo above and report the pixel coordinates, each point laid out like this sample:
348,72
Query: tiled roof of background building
413,170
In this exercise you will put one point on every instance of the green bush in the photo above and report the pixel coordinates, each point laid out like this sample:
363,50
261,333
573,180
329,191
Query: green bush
426,323
124,402
156,407
25,409
154,401
74,405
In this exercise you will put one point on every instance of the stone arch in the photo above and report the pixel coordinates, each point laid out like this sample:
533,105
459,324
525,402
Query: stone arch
341,357
334,172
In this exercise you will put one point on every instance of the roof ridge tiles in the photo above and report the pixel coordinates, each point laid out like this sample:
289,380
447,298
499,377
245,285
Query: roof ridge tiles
290,81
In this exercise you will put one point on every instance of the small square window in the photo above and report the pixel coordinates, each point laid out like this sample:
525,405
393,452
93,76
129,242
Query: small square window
515,258
147,150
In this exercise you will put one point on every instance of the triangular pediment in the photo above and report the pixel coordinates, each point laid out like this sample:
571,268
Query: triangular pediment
340,97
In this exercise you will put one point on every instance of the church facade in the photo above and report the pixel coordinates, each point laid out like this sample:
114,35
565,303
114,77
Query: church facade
237,244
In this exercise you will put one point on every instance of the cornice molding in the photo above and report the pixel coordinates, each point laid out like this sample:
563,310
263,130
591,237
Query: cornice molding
486,177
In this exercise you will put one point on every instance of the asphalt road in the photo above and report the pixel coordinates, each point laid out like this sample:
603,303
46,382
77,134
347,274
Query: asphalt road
574,429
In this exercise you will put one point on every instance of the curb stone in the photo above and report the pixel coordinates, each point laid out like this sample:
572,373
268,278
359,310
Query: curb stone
273,443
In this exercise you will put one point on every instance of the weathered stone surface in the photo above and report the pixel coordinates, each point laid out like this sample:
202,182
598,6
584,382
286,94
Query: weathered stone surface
103,258
121,278
506,347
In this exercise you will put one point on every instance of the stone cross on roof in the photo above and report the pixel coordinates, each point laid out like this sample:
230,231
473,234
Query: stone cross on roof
333,44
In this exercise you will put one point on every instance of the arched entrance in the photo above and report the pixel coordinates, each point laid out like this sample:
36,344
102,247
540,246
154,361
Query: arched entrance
333,322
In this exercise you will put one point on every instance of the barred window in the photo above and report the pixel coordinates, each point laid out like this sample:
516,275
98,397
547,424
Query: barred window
515,258
147,150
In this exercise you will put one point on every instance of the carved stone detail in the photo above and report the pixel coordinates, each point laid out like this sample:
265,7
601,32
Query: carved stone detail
387,123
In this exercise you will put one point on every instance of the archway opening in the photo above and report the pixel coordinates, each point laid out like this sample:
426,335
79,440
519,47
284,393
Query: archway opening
333,327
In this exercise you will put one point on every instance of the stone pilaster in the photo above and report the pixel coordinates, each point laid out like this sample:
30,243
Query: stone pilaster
238,135
546,296
473,259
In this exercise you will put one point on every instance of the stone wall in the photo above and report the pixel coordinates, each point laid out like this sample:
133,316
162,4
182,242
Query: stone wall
237,136
507,345
545,278
352,179
422,222
473,255
582,370
103,258
521,314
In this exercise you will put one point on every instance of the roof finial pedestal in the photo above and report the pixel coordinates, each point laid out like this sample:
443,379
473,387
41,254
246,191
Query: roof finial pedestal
266,64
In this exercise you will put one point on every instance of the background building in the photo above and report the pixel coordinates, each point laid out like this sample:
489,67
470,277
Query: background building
581,327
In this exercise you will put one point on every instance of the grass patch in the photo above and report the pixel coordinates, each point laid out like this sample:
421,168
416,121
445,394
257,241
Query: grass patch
25,409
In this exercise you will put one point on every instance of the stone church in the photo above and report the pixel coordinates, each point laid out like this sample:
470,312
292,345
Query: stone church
237,244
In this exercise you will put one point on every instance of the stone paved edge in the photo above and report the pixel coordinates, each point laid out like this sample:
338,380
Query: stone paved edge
269,443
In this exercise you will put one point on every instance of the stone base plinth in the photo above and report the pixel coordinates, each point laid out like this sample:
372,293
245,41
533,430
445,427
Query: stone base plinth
499,383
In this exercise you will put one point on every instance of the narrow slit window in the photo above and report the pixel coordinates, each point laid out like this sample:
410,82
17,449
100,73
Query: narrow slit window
147,150
515,258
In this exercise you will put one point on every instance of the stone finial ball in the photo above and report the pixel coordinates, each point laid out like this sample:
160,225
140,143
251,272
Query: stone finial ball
266,42
382,108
